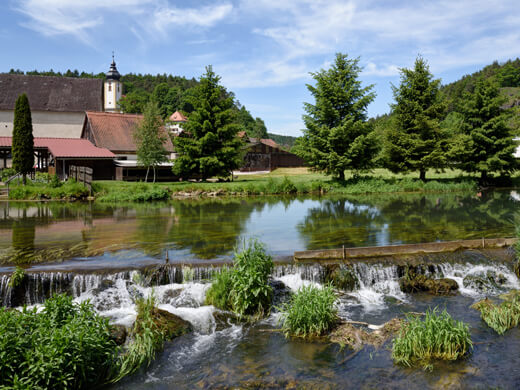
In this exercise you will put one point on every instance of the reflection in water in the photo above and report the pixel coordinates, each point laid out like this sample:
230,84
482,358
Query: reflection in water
192,230
395,219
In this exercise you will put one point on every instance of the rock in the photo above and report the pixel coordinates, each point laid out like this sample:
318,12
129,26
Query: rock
170,294
118,333
356,338
224,319
281,293
134,292
342,277
419,282
483,282
105,284
173,326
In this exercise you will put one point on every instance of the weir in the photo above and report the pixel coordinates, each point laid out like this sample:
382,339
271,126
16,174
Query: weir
374,275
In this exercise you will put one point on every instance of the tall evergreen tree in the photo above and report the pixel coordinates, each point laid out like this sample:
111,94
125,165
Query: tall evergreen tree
150,140
484,143
416,142
23,141
210,146
337,136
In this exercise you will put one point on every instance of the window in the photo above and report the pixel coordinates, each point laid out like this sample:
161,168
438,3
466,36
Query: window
109,87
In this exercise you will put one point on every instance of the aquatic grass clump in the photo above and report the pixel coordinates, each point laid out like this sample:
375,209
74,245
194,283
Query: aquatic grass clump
244,288
148,339
311,311
219,294
437,337
65,346
501,317
17,277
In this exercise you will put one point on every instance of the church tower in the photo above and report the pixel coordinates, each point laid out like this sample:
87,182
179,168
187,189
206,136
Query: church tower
113,88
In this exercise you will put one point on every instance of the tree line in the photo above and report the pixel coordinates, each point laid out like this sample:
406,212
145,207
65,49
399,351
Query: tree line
419,134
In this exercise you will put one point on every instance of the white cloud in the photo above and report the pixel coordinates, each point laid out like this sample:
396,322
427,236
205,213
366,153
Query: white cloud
206,16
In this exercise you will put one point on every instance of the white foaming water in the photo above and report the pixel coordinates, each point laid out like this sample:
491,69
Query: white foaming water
376,282
458,272
201,317
294,282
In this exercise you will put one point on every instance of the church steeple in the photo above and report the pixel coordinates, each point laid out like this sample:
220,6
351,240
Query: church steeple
113,88
113,74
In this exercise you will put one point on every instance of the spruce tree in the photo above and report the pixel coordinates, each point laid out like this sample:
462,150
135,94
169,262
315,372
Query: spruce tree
23,141
209,145
337,136
484,143
415,141
150,140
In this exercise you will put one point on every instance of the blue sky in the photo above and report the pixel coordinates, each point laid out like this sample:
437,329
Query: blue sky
263,49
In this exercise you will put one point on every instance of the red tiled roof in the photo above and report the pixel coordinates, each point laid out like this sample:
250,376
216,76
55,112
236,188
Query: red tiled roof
116,131
178,117
270,142
66,147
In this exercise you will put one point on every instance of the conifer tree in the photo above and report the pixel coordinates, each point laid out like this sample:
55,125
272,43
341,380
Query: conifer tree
23,141
416,141
150,140
484,143
209,145
337,136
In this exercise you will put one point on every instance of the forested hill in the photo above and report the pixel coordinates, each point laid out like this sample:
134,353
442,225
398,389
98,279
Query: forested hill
172,93
506,75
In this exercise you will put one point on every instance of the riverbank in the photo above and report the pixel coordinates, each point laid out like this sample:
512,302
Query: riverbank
278,182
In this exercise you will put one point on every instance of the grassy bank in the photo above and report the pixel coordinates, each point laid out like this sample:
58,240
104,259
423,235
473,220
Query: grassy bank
286,181
280,181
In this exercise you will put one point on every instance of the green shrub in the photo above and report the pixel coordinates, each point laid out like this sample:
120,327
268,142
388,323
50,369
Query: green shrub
17,277
66,346
438,336
219,294
251,293
7,173
310,312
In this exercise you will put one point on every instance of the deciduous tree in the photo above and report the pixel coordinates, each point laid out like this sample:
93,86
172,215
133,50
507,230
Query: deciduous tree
150,140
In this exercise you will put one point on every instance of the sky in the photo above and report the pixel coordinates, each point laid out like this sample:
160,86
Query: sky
264,50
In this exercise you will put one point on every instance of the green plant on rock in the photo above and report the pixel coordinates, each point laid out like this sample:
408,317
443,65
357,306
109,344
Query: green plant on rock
244,288
17,277
310,312
148,339
437,337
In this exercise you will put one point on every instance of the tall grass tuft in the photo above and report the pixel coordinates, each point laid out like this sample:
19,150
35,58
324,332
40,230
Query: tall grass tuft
244,288
438,336
310,312
501,317
17,277
148,339
219,294
65,346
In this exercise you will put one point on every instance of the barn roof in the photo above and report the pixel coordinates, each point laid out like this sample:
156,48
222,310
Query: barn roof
116,131
52,93
66,147
178,117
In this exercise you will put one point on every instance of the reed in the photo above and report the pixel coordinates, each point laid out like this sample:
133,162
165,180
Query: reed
437,337
310,312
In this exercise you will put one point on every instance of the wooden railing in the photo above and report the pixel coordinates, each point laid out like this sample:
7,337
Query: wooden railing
81,175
